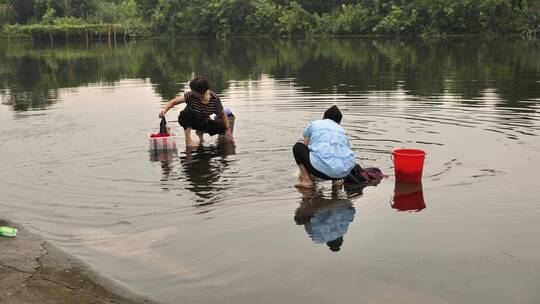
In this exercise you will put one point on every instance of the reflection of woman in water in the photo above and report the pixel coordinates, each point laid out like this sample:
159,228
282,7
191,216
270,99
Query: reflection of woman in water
203,169
325,220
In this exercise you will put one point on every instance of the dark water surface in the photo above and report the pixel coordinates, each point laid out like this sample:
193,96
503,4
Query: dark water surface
225,224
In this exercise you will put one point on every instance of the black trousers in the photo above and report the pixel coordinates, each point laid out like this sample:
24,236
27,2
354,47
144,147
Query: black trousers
301,155
188,119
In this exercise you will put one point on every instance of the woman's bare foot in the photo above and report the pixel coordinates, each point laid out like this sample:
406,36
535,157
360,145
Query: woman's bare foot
304,184
191,145
304,179
338,183
201,135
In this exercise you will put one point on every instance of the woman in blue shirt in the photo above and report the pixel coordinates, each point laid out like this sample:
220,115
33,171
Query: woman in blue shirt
325,152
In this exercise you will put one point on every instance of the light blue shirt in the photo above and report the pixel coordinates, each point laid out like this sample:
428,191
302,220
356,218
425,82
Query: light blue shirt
329,150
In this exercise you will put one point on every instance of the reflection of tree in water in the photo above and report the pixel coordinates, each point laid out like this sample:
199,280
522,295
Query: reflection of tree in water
326,220
203,169
30,75
26,100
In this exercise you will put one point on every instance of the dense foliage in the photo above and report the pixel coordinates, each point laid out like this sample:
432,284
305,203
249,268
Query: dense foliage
287,17
75,18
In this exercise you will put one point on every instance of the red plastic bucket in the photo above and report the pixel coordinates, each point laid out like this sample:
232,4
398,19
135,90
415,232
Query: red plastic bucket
408,165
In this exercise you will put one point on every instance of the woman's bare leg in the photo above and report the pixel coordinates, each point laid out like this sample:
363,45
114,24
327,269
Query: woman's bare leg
305,179
201,135
189,143
338,183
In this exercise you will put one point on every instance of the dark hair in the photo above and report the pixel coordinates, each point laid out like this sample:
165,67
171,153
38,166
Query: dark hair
301,220
199,85
335,245
333,113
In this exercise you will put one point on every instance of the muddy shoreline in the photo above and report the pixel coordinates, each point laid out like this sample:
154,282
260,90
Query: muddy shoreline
34,271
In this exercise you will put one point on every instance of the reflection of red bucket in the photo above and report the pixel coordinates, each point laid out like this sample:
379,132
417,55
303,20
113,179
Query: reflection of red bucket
408,197
408,165
163,155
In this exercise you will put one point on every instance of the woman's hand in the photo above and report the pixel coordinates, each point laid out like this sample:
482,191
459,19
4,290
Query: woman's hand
228,135
162,113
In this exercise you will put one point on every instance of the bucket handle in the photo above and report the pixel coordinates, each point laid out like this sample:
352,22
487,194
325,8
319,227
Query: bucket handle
392,156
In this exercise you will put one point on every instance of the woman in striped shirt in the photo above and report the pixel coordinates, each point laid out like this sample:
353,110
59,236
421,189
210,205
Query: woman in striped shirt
200,104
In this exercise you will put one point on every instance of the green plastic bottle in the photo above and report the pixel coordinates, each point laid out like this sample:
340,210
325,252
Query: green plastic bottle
8,231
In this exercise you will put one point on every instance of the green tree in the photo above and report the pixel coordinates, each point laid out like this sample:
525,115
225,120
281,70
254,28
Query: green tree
353,19
264,18
80,8
179,17
24,10
146,8
319,7
226,17
398,20
289,17
8,14
295,20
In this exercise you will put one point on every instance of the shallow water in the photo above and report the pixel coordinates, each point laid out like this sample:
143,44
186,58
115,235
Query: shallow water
224,224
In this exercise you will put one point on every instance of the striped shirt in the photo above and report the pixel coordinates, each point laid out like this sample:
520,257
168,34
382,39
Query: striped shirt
203,111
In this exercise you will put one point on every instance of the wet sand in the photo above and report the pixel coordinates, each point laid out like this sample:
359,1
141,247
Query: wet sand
34,271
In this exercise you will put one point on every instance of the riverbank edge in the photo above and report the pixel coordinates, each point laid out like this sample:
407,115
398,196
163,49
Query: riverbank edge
72,32
32,270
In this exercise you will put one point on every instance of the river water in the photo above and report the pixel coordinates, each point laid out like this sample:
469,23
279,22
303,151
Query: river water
224,223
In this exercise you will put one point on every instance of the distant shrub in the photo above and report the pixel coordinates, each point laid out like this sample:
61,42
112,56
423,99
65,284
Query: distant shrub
294,20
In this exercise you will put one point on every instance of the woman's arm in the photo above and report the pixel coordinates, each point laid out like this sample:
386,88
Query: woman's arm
228,132
171,103
307,133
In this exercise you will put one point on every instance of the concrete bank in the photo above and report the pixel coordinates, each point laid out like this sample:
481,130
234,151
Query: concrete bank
34,271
